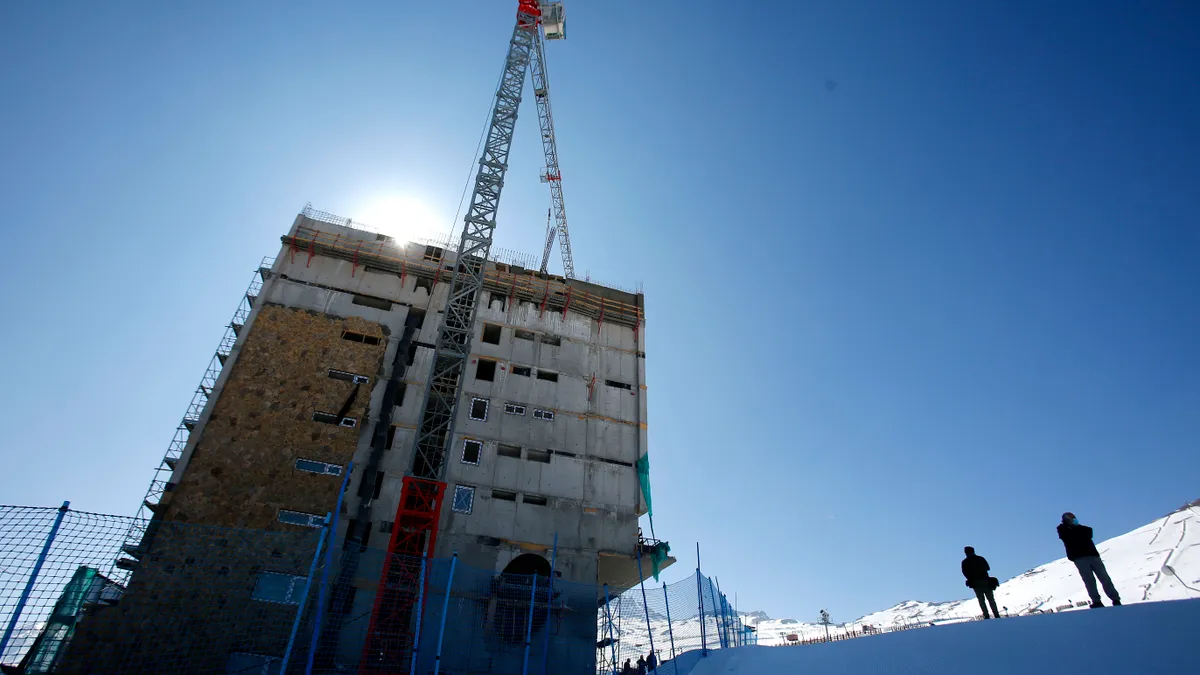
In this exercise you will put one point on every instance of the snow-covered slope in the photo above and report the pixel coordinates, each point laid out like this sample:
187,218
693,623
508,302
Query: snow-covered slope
1139,563
1151,639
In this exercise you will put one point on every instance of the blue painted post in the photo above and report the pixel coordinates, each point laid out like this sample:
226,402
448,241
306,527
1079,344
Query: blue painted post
670,630
645,605
33,575
700,592
412,666
611,642
437,659
529,625
549,603
312,646
312,571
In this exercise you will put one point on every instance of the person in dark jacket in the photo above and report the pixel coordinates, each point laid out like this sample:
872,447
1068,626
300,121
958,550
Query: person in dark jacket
652,662
641,665
627,669
975,568
1077,539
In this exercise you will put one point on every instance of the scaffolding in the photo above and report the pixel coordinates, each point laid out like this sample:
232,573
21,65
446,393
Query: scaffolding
516,283
137,539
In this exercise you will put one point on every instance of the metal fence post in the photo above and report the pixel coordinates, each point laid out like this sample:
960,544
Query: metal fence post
33,575
437,659
312,571
646,605
712,594
412,667
316,636
670,631
700,592
724,616
529,625
549,604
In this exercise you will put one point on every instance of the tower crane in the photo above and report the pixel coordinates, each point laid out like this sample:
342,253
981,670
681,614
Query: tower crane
389,643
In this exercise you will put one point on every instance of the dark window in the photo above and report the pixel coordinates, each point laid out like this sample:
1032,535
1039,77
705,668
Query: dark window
505,495
546,415
491,333
471,452
400,389
374,303
564,453
552,340
618,385
385,526
412,353
542,456
434,253
536,500
485,370
359,337
330,418
378,486
422,282
502,298
506,450
514,408
391,437
547,376
348,377
479,409
614,461
523,371
523,335
415,318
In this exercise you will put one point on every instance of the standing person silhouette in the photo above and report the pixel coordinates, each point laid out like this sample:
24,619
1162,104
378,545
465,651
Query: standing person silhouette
975,568
1081,550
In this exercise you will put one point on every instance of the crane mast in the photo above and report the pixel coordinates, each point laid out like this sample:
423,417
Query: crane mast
551,174
388,645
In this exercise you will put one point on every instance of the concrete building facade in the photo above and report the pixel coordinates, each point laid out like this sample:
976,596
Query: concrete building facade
551,421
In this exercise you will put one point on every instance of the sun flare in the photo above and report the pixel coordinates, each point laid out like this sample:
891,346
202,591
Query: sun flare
402,216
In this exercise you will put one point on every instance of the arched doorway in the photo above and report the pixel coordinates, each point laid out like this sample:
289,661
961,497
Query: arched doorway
511,591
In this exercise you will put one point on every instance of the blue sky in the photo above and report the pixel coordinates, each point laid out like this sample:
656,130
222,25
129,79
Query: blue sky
935,306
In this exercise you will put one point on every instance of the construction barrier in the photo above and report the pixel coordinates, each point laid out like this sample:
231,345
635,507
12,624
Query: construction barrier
76,598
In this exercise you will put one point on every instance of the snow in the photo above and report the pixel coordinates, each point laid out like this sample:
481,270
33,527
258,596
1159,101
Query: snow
1150,638
1137,561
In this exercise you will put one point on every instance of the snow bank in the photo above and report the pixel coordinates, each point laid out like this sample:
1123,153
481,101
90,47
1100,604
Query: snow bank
1153,637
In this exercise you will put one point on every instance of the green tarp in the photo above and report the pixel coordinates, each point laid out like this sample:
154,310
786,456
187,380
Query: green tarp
643,470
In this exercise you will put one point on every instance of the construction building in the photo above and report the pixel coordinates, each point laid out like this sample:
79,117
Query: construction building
551,425
475,407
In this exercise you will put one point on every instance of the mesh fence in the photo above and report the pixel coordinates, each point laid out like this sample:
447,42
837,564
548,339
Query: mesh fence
666,621
74,598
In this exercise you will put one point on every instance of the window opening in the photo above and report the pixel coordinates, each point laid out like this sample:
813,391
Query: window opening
415,319
373,303
491,333
542,456
422,282
546,415
471,452
359,337
507,450
348,377
547,376
536,500
479,409
391,437
485,370
523,371
464,498
552,340
523,334
618,385
514,409
400,390
298,518
385,526
504,495
323,468
433,253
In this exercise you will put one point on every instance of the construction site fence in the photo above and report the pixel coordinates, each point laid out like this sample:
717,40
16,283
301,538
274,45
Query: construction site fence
76,598
667,620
